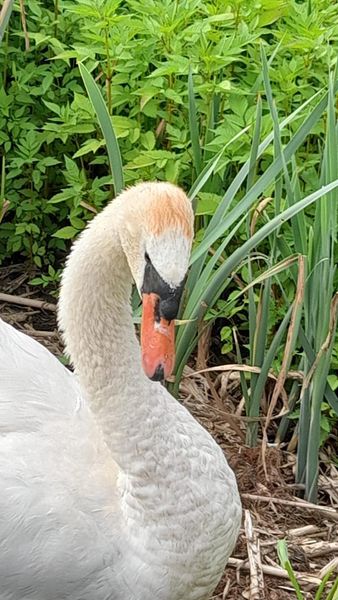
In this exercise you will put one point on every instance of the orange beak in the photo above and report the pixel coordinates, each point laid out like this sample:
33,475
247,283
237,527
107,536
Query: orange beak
157,340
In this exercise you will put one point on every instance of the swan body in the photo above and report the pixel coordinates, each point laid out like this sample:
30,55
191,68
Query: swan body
110,490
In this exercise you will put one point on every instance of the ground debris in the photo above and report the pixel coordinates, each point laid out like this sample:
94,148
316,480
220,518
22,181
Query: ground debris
276,512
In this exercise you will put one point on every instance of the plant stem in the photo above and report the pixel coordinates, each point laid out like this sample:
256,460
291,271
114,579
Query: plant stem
24,24
56,16
109,70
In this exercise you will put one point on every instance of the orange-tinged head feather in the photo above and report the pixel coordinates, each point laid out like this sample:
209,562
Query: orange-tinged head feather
163,206
170,209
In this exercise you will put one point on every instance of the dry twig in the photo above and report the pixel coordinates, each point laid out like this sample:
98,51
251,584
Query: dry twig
237,563
330,513
331,567
27,302
313,549
255,561
305,530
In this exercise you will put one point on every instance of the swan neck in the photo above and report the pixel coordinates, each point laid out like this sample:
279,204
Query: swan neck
96,319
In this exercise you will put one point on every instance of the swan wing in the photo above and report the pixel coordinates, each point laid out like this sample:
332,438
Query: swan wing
57,513
34,385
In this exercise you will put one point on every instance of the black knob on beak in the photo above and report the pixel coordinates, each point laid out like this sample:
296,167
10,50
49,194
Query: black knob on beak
169,306
169,297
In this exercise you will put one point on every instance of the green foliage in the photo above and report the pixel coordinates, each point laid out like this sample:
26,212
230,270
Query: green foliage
140,54
50,279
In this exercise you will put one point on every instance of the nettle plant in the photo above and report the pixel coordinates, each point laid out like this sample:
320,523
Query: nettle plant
32,158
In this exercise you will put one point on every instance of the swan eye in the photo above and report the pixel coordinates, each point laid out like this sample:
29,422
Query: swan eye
147,257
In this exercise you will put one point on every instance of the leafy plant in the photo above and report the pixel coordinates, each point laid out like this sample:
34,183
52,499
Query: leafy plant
48,280
141,54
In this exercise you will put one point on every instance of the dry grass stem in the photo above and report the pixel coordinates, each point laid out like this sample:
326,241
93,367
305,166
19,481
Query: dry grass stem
287,355
24,24
255,562
302,531
313,549
4,209
331,567
257,212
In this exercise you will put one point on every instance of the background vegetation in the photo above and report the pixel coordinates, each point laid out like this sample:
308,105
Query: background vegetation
236,102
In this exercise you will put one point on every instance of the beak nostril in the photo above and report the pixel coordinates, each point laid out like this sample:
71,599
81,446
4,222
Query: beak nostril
159,374
157,311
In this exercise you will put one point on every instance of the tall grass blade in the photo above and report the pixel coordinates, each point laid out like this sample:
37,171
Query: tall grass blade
244,384
320,311
320,591
203,177
257,392
194,126
320,370
216,227
260,338
257,84
303,131
104,120
290,344
218,282
250,181
333,594
257,353
198,260
283,556
330,396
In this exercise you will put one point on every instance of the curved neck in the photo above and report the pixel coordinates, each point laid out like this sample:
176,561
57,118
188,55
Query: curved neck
96,320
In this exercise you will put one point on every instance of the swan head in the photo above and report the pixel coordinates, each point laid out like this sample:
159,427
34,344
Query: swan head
156,233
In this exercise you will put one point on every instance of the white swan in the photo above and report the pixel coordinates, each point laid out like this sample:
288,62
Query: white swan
109,489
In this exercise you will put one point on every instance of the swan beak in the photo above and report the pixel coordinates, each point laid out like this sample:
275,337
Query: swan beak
157,340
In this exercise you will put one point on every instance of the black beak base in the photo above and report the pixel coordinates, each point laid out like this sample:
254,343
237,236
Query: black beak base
170,298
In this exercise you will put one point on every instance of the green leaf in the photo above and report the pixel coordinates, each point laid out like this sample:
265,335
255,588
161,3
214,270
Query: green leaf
67,194
89,146
53,107
66,233
148,140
